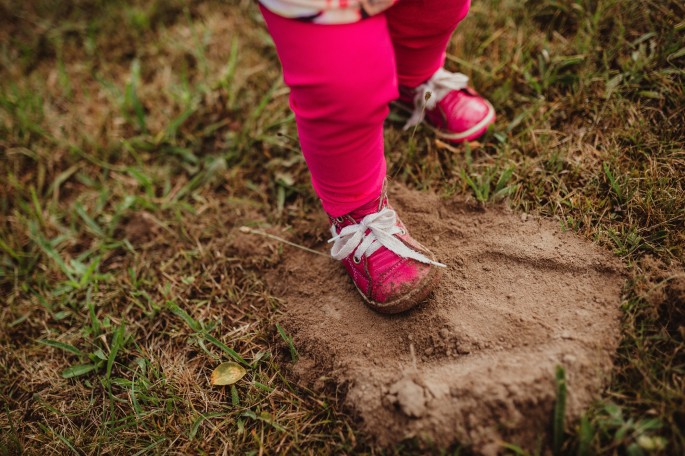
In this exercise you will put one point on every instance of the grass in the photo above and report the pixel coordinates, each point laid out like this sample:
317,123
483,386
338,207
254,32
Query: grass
137,137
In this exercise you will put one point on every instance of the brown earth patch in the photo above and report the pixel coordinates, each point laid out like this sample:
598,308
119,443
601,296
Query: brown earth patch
475,364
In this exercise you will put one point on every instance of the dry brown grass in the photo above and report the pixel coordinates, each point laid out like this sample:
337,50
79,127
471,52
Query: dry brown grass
137,136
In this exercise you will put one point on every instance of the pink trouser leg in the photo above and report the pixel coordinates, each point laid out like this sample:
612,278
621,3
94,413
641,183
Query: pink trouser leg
420,31
342,78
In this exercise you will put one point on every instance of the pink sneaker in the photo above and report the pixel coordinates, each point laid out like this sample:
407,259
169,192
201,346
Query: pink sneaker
458,112
391,270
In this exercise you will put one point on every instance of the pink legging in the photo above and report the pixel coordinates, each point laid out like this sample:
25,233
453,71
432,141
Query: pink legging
342,78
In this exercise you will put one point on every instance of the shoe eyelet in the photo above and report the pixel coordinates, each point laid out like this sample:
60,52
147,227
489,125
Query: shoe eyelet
339,219
403,231
355,260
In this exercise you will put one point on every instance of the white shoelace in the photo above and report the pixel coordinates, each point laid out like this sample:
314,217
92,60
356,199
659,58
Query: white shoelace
382,229
433,91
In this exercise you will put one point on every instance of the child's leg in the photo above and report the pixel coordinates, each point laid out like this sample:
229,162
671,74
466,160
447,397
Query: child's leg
342,78
420,31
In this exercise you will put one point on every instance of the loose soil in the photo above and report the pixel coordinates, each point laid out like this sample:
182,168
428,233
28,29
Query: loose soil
476,363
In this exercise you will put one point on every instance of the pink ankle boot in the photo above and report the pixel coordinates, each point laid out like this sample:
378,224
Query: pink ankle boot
390,269
456,110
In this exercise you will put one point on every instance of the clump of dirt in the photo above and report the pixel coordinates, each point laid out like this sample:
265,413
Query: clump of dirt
475,364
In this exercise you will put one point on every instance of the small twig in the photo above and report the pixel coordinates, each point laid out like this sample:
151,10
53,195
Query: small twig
247,229
413,356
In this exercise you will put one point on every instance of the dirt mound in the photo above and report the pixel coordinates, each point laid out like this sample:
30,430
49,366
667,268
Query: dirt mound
476,363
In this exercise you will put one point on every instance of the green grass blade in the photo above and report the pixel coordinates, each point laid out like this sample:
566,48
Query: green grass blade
89,221
585,435
61,346
229,351
78,370
183,315
294,355
559,411
118,341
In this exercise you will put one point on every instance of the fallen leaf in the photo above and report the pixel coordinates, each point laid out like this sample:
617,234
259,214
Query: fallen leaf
227,373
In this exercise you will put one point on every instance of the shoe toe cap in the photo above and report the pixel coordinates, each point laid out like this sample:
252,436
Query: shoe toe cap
404,286
465,111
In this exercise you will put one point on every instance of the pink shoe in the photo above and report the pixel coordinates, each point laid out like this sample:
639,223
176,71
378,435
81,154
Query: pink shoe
390,269
459,113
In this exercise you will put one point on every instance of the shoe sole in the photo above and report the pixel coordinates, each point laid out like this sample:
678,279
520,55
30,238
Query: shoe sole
406,302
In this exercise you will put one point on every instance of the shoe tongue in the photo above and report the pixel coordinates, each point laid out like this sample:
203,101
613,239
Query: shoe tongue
382,258
369,208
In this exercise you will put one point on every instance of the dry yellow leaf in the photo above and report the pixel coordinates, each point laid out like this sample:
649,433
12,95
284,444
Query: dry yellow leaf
227,373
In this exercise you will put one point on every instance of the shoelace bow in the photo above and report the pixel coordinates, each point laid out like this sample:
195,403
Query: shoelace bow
381,227
431,92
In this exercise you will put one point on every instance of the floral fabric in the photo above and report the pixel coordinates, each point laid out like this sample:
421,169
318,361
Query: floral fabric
327,11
